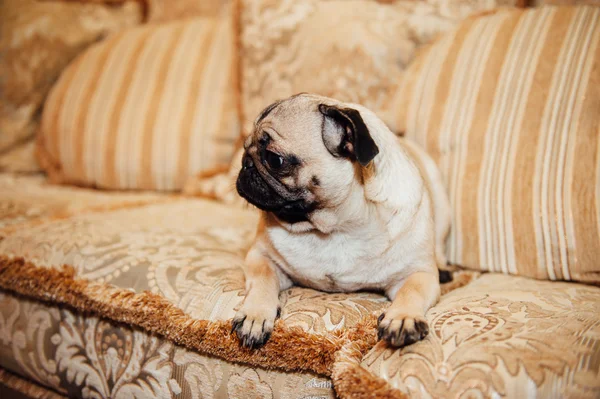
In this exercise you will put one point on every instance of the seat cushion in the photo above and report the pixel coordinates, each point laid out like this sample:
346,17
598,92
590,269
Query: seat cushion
161,277
85,356
31,199
82,355
502,336
190,252
507,104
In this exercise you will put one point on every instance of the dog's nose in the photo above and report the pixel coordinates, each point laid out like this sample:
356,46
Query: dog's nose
247,162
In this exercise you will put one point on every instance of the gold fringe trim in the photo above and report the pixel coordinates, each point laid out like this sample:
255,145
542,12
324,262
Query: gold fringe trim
336,355
153,313
351,380
26,387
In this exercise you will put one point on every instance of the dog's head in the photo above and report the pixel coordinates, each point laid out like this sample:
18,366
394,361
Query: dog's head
304,154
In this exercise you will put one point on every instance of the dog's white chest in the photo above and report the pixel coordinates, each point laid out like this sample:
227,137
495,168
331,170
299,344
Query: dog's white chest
336,262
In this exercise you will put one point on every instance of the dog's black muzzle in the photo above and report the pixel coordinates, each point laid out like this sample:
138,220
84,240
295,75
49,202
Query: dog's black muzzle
254,188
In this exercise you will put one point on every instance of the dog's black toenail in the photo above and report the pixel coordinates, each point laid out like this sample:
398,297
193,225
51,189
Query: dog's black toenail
236,324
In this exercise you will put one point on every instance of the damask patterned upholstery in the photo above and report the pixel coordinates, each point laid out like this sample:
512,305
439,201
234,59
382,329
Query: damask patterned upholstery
89,357
189,251
503,336
499,336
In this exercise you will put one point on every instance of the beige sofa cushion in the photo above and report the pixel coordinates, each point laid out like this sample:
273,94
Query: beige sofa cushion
352,50
508,105
502,336
144,109
496,336
190,252
174,269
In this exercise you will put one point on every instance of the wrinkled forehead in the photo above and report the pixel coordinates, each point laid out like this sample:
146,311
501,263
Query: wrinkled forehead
292,119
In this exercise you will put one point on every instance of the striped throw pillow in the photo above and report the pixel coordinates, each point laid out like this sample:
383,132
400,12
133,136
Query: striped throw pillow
144,109
509,106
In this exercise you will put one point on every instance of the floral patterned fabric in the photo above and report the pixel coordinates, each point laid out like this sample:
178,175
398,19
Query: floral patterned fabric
88,357
189,251
503,336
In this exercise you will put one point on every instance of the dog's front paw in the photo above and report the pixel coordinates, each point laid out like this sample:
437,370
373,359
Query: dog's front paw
401,330
254,325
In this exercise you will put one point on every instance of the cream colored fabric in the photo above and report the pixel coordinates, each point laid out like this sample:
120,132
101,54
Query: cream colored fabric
502,336
495,336
189,251
146,108
159,11
509,107
84,356
352,50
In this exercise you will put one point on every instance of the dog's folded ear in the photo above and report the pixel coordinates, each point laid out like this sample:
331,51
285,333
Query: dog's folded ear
346,135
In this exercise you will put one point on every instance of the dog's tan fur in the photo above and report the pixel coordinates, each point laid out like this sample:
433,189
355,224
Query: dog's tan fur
374,230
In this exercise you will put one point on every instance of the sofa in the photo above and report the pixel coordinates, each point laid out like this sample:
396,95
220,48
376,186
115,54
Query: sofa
121,260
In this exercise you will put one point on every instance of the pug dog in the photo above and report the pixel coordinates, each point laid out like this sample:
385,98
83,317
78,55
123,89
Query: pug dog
346,206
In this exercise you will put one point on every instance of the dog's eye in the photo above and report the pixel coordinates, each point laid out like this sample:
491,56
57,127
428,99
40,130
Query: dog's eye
274,161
